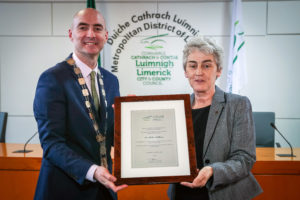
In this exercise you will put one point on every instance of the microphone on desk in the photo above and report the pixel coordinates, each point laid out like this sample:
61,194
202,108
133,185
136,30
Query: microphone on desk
24,150
283,155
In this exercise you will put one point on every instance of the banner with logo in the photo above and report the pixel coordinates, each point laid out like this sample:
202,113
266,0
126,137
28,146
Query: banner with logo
236,74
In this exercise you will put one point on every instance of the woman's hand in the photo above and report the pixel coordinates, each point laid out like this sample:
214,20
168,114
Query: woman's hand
204,174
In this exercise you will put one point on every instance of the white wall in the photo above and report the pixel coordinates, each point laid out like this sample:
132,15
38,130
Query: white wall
33,37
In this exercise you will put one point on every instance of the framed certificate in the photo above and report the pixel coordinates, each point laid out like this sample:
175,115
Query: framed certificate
154,140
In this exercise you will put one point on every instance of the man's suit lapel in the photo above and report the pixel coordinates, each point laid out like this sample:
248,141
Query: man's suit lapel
213,117
71,70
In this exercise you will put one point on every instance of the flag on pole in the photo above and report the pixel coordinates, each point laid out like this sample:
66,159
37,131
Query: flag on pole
92,4
236,74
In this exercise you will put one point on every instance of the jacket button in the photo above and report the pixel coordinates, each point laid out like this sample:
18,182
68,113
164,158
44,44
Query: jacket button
207,161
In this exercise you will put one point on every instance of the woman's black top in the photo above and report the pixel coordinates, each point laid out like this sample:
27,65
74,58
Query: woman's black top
200,117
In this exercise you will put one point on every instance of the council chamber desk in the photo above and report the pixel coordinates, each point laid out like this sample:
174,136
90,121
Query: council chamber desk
279,177
19,171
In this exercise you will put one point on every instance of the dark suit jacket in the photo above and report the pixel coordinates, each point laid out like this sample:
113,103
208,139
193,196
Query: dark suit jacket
67,135
229,148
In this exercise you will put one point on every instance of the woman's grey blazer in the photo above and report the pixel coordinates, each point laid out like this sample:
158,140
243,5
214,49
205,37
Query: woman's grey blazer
229,148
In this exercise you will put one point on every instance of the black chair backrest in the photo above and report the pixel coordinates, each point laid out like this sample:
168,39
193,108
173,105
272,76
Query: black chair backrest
3,120
264,132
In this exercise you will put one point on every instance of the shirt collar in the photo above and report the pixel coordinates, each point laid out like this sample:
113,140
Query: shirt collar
85,70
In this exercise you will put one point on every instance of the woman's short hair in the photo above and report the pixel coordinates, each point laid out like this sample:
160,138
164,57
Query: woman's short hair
204,45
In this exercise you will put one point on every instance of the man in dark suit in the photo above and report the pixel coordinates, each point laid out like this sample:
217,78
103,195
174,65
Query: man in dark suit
73,110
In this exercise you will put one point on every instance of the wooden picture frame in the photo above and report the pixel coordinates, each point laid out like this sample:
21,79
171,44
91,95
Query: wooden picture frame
154,140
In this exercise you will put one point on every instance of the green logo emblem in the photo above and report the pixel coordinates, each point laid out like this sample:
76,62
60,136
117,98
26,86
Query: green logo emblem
154,42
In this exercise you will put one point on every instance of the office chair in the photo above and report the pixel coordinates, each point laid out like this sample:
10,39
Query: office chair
264,132
3,120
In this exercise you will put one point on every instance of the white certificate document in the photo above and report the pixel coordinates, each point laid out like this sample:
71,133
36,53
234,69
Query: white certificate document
153,138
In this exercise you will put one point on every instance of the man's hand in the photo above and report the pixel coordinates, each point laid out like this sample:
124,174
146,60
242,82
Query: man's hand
204,174
105,178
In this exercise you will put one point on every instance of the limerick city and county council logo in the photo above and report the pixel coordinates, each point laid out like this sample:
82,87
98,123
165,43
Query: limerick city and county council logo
154,42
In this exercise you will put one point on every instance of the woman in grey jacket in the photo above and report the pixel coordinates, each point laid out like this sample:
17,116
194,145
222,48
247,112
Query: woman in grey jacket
223,129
